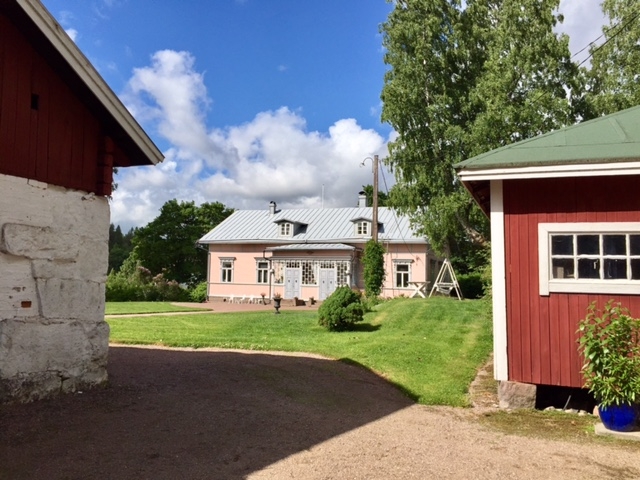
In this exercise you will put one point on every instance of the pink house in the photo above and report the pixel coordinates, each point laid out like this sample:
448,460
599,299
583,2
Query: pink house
308,253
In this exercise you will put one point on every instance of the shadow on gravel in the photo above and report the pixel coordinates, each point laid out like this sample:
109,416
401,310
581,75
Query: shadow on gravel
195,415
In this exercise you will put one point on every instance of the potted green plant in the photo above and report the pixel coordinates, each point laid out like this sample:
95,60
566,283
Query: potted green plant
610,344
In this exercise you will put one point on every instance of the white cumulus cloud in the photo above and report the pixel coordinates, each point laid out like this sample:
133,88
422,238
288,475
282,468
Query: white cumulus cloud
271,157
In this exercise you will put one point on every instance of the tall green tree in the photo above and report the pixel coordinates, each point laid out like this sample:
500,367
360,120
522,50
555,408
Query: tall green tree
383,198
120,246
614,77
168,243
465,78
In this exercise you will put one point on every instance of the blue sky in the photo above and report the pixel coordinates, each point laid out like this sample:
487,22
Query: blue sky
250,100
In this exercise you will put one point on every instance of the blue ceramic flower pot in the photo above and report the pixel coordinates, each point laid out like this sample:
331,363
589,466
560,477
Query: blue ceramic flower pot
620,418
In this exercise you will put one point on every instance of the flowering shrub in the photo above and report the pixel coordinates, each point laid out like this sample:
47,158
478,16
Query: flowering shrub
135,283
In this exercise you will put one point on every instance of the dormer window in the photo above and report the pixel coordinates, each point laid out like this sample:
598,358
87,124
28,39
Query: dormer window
362,228
286,229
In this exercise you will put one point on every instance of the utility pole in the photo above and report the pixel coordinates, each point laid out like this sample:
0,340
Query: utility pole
374,227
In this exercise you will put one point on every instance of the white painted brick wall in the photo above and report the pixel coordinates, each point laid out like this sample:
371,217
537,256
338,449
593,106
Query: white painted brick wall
53,265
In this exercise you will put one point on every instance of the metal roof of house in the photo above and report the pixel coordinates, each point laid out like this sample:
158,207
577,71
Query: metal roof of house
609,139
323,226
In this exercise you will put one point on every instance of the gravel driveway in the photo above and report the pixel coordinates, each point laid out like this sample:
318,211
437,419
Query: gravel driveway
214,414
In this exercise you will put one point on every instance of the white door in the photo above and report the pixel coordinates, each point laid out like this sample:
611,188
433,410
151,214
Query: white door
327,282
291,282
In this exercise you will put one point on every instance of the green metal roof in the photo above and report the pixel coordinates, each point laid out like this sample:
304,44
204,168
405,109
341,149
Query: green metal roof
610,139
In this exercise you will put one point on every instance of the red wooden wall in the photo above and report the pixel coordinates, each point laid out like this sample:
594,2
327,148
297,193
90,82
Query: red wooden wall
46,131
541,338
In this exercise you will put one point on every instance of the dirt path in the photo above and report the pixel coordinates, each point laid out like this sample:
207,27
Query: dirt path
179,414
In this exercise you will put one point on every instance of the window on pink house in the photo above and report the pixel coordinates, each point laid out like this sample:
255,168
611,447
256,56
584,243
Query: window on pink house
402,274
226,271
262,269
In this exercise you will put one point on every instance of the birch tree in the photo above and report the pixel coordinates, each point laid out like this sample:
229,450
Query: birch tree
464,79
614,77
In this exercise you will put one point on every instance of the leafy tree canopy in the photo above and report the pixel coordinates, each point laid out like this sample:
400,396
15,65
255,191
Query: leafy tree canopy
614,78
168,243
464,78
119,246
383,198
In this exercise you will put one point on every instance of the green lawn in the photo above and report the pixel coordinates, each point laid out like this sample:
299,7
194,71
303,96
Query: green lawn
128,308
429,348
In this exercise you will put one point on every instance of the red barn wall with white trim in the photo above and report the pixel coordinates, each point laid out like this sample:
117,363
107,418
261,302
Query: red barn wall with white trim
541,330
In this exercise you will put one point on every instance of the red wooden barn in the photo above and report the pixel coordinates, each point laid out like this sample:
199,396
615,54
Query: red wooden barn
565,231
62,131
60,122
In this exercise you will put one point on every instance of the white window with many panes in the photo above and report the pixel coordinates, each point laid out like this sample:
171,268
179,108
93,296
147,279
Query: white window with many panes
589,257
362,228
226,270
402,274
262,271
286,229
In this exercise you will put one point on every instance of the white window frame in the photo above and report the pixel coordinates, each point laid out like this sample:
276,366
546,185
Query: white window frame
224,269
286,229
262,273
548,285
362,228
395,272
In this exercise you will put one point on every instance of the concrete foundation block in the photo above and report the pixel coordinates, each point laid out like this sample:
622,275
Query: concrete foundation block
71,299
42,357
85,214
37,242
53,259
39,345
514,395
91,264
18,294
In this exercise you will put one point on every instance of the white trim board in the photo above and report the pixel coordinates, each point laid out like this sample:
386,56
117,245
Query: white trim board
554,171
499,283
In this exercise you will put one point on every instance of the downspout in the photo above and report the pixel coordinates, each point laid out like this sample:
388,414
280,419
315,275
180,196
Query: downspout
390,263
354,255
208,250
271,272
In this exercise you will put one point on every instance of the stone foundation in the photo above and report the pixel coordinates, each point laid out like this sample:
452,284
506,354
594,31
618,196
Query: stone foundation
53,264
513,395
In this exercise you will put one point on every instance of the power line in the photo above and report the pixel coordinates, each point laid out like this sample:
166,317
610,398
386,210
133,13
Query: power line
620,30
586,46
395,216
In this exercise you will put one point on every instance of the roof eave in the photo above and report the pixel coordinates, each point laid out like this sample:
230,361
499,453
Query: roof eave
83,68
412,241
477,181
554,171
